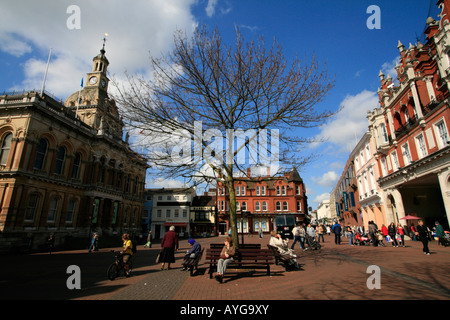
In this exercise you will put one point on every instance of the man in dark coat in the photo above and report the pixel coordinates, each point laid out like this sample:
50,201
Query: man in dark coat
422,232
337,229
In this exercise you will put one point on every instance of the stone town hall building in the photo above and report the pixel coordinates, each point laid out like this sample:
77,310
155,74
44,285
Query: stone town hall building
65,168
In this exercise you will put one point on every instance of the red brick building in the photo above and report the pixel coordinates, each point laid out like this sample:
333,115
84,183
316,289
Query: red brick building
411,128
259,200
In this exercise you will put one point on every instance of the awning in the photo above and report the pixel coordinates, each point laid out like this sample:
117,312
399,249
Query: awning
175,224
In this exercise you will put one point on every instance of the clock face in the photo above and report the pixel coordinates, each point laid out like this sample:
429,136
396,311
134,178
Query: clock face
93,80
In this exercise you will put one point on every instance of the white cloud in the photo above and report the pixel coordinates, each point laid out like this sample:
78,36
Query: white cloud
350,123
13,46
211,7
321,197
328,179
166,183
135,31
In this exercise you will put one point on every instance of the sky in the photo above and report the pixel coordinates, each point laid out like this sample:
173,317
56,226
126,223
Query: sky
339,33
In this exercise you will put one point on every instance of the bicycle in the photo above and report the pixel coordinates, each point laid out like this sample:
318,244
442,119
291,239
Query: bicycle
118,267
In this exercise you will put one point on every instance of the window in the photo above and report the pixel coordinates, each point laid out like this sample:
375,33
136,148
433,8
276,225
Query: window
264,206
6,147
299,206
263,190
442,135
167,213
243,191
384,133
278,206
238,191
406,154
244,206
297,190
32,205
158,213
176,214
76,166
421,146
285,206
257,190
394,160
383,166
278,191
257,206
283,190
238,206
60,157
52,210
41,152
185,213
70,210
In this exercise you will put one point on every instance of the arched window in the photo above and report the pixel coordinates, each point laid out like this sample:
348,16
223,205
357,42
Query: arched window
40,154
60,158
278,206
76,166
285,206
6,147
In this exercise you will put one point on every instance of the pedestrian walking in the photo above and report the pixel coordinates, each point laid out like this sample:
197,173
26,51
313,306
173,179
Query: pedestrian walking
392,231
337,229
372,233
414,233
169,244
320,232
149,240
422,233
351,234
94,242
439,233
296,234
328,230
401,234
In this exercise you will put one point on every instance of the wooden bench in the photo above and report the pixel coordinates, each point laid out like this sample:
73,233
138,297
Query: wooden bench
243,246
245,258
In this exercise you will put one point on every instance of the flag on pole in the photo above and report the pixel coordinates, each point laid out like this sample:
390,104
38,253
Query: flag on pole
82,82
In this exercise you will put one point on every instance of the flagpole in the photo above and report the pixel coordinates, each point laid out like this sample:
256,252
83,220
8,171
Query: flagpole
78,101
46,71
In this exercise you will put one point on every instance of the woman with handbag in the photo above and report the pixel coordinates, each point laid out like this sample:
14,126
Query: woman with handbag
191,254
169,244
226,257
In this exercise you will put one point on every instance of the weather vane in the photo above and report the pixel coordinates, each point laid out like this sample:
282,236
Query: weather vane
104,41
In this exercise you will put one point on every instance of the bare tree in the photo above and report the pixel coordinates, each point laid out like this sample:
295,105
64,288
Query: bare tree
207,91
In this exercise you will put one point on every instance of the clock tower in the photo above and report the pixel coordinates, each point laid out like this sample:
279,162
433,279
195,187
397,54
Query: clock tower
97,78
93,105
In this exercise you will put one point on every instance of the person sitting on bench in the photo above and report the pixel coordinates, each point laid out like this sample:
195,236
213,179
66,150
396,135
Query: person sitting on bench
191,254
282,246
226,257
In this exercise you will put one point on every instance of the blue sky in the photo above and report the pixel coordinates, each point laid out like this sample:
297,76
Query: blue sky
334,30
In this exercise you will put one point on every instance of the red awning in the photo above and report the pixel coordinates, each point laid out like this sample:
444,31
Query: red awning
175,224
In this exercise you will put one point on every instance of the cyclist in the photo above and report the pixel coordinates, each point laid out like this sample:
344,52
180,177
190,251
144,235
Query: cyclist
127,252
